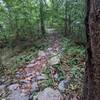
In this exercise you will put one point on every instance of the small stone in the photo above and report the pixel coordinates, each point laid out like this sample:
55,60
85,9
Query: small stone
30,65
35,86
2,87
33,79
41,77
29,74
54,60
49,49
41,53
50,94
63,85
24,82
18,74
54,53
35,97
33,61
56,76
37,73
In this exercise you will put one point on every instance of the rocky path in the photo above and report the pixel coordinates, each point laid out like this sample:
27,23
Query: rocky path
31,77
41,79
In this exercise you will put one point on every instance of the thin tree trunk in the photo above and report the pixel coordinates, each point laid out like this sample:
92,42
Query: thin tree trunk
42,18
66,23
92,72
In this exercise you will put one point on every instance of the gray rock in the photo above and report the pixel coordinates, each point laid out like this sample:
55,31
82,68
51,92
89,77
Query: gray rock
35,87
2,87
41,77
56,76
13,87
16,95
50,94
24,82
41,53
18,74
63,85
35,97
32,61
54,60
30,65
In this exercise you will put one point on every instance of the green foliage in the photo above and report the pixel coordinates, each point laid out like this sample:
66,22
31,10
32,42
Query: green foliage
77,72
19,19
21,22
76,56
22,18
49,82
61,73
72,49
13,59
77,50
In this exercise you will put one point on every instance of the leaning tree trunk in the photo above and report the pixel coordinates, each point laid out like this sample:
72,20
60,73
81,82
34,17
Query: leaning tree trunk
92,72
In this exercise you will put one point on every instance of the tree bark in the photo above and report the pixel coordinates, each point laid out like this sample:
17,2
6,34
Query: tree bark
66,19
92,72
42,17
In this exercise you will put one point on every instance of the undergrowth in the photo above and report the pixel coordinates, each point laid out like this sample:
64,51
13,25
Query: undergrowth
19,56
73,63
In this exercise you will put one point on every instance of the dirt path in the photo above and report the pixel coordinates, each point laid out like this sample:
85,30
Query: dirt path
44,78
30,76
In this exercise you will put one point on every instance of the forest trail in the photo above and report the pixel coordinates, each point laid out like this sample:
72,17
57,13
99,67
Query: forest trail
49,76
29,74
42,53
31,77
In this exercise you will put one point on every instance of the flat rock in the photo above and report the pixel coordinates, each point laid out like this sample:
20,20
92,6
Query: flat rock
2,87
35,97
54,60
30,65
13,87
50,94
56,76
35,86
41,77
41,53
32,61
16,95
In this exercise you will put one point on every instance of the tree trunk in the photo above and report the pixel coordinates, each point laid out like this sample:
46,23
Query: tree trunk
66,19
92,72
42,18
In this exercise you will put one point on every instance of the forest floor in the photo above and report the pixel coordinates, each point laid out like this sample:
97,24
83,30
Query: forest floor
51,73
